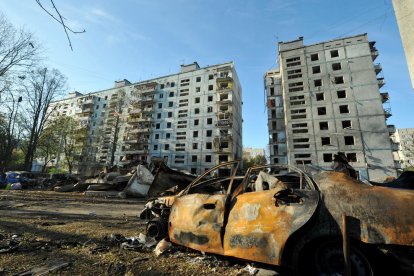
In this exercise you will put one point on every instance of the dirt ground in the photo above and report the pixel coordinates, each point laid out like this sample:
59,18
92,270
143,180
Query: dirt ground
49,228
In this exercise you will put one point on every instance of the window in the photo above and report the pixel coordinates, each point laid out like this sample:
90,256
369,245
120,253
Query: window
210,98
170,104
168,124
155,147
317,83
323,126
193,171
209,133
293,61
172,84
341,94
197,100
193,158
209,109
343,109
195,134
104,105
106,97
327,157
339,80
197,111
352,157
209,121
320,97
161,95
325,141
321,110
195,145
157,126
170,114
346,124
157,136
158,115
314,57
316,69
208,145
198,79
208,158
160,105
196,121
167,146
162,86
336,66
334,53
198,89
349,140
97,107
171,94
211,76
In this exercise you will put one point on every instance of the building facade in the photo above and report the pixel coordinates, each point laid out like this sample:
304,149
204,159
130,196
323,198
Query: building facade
404,12
192,119
325,98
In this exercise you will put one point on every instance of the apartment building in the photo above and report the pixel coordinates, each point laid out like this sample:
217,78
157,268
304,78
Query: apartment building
403,139
325,98
192,119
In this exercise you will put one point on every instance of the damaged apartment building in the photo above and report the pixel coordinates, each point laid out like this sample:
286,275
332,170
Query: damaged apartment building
192,119
325,98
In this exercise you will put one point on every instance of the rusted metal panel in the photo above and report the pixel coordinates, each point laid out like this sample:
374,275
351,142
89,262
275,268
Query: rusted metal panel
196,221
257,229
377,215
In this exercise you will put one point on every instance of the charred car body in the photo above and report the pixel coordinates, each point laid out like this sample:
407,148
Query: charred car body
280,215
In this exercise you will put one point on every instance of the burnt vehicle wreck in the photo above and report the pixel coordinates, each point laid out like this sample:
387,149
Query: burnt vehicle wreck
281,215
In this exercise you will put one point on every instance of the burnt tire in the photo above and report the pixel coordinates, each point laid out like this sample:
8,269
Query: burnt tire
157,228
325,257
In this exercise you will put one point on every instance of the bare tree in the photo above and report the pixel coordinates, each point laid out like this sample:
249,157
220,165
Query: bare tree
18,48
118,106
61,20
41,88
10,128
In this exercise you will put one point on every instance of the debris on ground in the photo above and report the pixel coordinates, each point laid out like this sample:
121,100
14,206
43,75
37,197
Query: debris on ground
162,247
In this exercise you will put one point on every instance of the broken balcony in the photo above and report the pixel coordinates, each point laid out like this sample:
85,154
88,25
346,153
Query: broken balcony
374,51
391,129
147,88
377,68
387,113
381,82
224,123
384,96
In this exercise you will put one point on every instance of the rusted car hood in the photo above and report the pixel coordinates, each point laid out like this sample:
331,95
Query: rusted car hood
376,214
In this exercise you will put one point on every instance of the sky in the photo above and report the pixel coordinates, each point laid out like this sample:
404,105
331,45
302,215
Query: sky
141,39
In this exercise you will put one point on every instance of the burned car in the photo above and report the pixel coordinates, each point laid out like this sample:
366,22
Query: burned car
281,215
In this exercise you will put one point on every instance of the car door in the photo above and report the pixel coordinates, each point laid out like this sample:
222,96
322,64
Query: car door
260,222
196,219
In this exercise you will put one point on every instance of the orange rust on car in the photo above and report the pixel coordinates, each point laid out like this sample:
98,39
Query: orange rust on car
196,221
257,229
377,214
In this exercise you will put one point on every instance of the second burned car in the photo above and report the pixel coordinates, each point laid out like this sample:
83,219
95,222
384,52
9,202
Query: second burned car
280,215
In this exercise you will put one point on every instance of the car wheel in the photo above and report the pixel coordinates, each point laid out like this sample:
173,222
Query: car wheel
328,259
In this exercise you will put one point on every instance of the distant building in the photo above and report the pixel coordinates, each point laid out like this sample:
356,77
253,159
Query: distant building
192,118
404,154
249,153
404,12
325,98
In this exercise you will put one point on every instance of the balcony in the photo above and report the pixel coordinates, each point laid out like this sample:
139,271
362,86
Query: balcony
130,140
220,150
224,123
381,82
377,68
147,88
133,120
387,113
220,138
135,151
135,111
384,97
374,51
391,129
395,146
